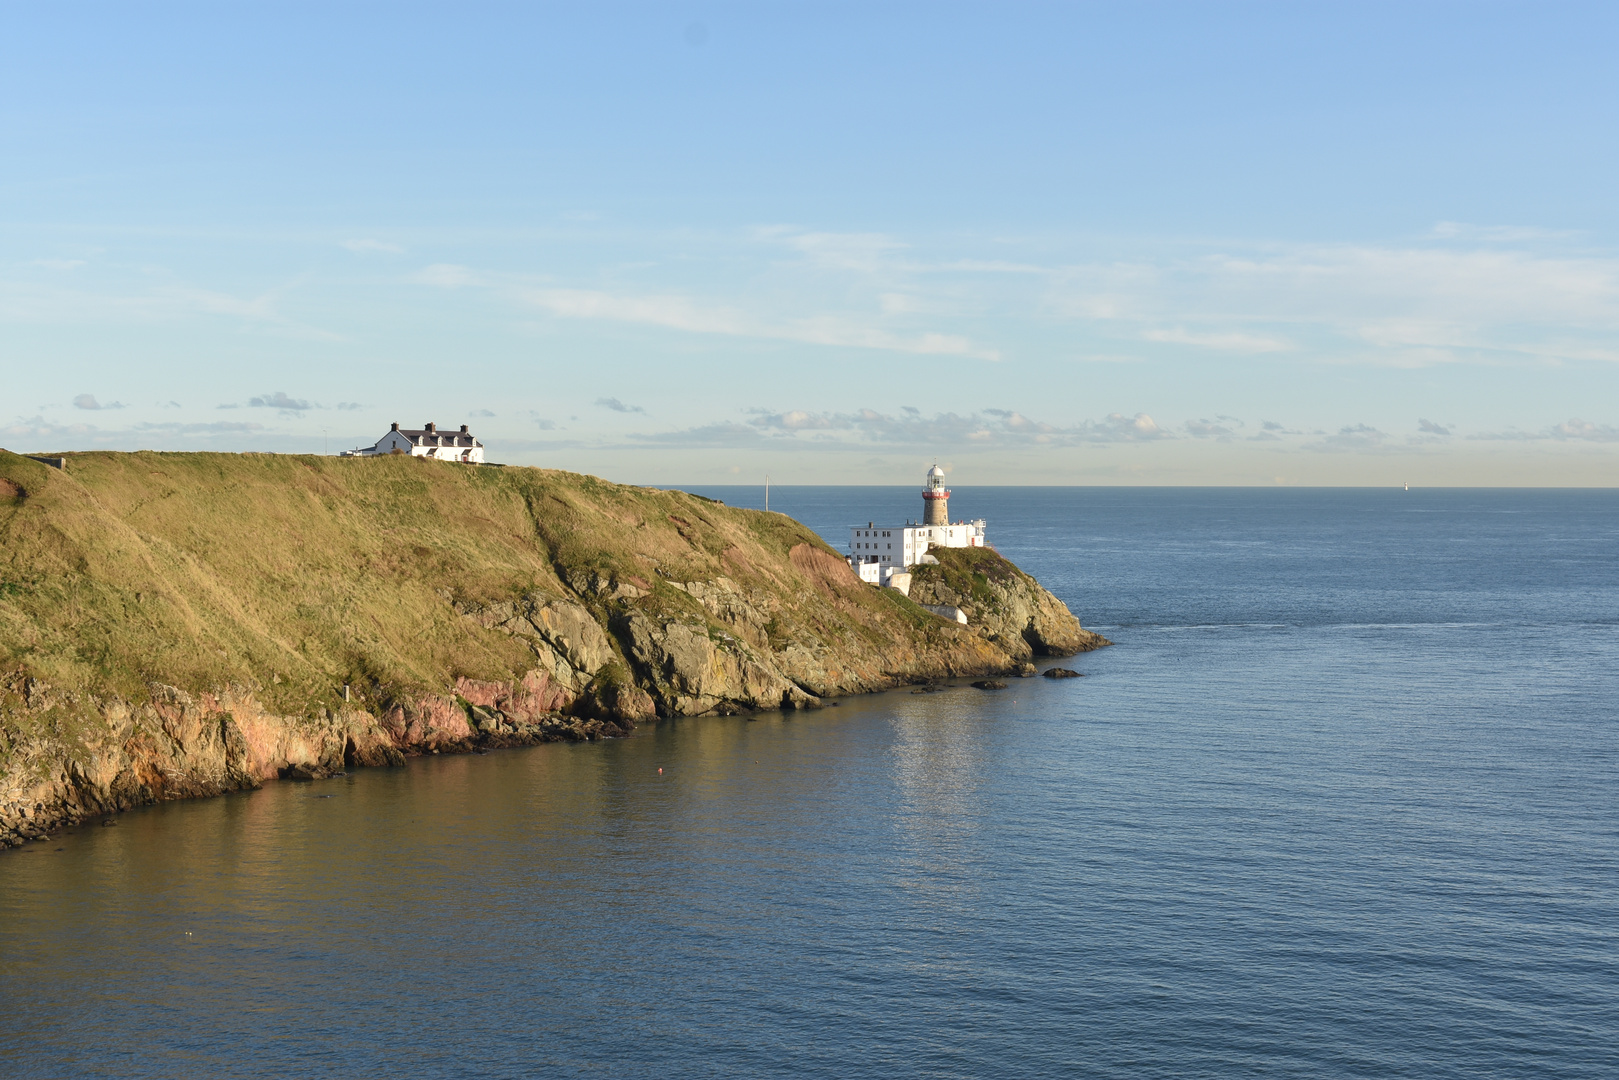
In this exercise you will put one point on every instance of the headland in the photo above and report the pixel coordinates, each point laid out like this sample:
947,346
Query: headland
182,625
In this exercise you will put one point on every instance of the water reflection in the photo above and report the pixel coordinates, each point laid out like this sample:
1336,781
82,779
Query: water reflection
938,761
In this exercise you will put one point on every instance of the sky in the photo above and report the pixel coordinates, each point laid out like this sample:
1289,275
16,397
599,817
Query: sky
1203,243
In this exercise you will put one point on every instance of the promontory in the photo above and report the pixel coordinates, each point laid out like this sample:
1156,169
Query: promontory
179,625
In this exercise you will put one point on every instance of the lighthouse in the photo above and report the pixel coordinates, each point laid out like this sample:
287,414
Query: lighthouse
877,553
935,498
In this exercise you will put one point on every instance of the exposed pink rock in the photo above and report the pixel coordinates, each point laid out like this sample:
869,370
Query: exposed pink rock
434,722
537,695
480,692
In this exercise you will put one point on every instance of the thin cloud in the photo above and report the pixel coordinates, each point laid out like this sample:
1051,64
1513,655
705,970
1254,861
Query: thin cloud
1413,306
1272,431
151,297
37,427
866,427
679,313
1573,429
865,253
1357,438
46,435
220,428
1209,429
445,276
990,266
1225,340
1428,427
88,401
618,406
708,436
373,246
1461,230
880,255
1579,430
279,400
1120,428
1509,435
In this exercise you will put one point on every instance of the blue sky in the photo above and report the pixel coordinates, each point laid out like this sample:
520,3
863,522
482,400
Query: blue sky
1117,243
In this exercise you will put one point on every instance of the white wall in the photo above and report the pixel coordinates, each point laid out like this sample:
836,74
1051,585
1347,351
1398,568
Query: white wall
389,442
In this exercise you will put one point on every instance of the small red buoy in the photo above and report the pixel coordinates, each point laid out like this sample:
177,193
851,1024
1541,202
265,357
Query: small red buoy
660,772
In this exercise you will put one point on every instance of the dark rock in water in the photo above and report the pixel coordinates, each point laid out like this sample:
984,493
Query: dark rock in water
108,824
1062,673
303,772
990,684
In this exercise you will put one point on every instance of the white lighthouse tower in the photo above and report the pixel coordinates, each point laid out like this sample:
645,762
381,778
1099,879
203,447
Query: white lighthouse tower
935,498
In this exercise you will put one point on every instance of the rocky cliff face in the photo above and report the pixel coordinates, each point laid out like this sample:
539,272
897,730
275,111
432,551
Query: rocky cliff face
1007,607
173,626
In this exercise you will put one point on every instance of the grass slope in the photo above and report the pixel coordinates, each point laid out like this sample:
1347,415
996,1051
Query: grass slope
292,575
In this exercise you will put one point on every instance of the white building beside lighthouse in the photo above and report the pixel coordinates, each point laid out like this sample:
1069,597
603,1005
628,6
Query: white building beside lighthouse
877,552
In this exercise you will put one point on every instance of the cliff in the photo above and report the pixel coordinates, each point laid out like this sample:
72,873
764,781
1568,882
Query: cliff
178,625
1003,605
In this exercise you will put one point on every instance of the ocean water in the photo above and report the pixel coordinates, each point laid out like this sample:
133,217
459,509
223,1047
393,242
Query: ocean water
1341,802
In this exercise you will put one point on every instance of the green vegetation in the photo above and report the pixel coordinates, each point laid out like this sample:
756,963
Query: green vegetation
293,575
969,573
178,625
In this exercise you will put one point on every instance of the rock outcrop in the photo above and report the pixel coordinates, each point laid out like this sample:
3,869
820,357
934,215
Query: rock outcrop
1001,603
181,625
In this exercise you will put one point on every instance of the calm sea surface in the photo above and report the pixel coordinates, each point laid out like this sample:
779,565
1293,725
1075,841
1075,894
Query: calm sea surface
1342,802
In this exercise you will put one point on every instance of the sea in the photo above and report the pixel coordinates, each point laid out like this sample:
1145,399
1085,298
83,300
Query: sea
1341,801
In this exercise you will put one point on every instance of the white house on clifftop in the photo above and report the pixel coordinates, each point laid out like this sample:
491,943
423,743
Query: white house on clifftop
429,442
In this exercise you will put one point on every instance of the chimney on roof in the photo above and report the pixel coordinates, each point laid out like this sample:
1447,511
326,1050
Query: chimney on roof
396,425
432,429
463,429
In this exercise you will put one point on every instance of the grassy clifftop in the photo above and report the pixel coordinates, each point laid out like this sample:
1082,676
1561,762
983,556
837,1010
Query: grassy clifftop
298,574
174,624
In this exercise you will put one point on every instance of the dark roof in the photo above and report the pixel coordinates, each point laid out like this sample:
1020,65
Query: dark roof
439,438
432,436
